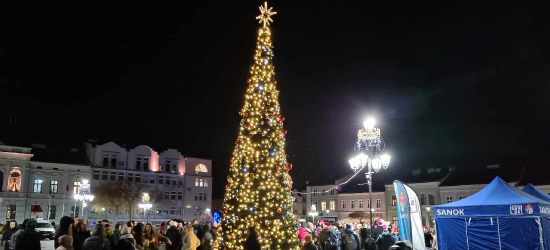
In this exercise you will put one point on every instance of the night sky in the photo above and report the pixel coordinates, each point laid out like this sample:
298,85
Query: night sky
450,84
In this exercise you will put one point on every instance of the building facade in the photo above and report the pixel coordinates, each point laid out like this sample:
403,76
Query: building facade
360,202
323,200
179,187
36,182
299,206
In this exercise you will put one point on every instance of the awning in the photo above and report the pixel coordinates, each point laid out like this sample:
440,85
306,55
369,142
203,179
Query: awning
36,209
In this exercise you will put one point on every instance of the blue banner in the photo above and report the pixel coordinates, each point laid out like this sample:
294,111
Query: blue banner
403,211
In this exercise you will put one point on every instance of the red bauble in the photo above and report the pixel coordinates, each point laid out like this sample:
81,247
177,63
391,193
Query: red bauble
278,167
247,124
281,118
290,187
284,131
275,82
225,208
249,80
252,175
288,166
278,185
236,142
250,134
246,114
278,210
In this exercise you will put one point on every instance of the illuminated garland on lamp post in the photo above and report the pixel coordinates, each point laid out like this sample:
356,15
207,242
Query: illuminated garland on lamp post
258,191
368,148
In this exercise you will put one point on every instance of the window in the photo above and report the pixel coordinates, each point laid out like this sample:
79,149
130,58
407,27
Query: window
378,203
10,212
138,163
423,199
96,174
173,210
352,204
113,176
145,164
120,176
204,197
138,178
196,197
161,179
332,206
343,204
368,203
314,192
171,166
104,175
431,199
167,181
332,191
166,195
152,179
53,210
179,211
322,192
174,182
173,195
200,196
73,211
180,195
130,177
393,200
395,221
461,197
109,160
201,168
200,182
449,199
180,182
360,203
14,182
54,186
323,205
165,211
76,187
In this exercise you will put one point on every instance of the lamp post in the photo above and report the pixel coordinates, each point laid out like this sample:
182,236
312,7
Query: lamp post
369,150
313,214
429,221
85,197
145,205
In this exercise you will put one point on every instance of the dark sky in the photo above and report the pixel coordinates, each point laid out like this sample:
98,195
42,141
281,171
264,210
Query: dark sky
450,83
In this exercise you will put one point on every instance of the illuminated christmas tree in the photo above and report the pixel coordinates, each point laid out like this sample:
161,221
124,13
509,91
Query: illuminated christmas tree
258,193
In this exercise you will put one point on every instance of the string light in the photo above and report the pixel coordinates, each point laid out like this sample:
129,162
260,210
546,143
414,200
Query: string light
258,192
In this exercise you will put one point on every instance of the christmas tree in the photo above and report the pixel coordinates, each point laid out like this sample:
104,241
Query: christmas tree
258,193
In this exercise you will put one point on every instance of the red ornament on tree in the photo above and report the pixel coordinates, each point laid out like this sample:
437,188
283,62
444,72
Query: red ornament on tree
281,118
284,131
249,80
275,82
288,166
278,185
237,142
278,210
247,124
252,175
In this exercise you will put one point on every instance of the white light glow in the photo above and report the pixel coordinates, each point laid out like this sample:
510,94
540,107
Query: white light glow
369,123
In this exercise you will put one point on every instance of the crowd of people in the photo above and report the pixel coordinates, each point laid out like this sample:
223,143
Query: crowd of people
356,236
74,234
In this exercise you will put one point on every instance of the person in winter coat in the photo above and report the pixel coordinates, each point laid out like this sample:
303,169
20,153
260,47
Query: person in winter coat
428,238
349,232
9,229
189,239
65,228
162,226
302,233
214,230
97,241
65,242
310,228
308,243
325,235
126,236
252,242
115,237
154,237
29,239
138,236
385,240
174,235
367,243
80,234
207,238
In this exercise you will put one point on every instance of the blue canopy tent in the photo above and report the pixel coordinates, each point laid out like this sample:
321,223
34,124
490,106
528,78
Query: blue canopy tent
499,216
532,190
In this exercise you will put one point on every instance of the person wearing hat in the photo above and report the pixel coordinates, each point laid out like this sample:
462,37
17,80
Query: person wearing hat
29,239
427,238
384,241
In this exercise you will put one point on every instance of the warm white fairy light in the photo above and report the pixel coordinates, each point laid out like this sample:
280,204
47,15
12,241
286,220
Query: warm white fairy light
265,16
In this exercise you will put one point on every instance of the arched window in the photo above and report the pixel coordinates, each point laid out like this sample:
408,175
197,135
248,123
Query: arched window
14,182
201,168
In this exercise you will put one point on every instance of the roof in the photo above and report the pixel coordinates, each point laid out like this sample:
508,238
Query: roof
59,156
496,199
532,190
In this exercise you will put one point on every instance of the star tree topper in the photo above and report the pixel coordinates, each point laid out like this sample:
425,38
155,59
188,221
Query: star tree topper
265,16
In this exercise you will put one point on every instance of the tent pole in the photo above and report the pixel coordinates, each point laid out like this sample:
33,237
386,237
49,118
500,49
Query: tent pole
466,227
498,230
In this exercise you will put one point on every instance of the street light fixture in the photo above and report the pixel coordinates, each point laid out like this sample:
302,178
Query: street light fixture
428,208
313,214
368,153
145,205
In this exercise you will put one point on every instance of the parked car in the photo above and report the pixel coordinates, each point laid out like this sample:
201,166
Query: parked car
45,229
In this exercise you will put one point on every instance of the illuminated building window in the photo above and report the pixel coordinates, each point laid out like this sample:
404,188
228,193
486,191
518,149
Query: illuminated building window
201,168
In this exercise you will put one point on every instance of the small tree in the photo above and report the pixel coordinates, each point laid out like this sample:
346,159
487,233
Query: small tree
121,194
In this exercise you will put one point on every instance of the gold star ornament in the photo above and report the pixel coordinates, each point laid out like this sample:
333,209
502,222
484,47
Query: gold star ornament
265,16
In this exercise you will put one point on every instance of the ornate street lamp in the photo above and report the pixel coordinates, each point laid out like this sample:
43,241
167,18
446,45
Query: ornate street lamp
85,197
369,150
